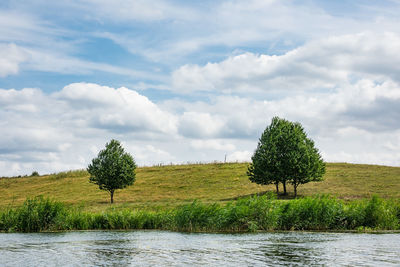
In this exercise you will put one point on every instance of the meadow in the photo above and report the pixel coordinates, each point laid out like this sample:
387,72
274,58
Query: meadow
204,197
170,186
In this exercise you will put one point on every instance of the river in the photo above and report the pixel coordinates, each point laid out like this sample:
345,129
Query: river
158,248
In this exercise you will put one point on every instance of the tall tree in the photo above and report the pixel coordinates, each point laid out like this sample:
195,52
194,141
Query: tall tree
284,155
112,169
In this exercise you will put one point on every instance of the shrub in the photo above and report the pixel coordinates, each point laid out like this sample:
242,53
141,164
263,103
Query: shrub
37,214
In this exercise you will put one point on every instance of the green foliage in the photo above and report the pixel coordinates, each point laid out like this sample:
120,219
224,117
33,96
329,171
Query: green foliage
75,219
8,220
36,214
285,154
247,214
197,217
35,173
318,213
112,169
381,214
251,214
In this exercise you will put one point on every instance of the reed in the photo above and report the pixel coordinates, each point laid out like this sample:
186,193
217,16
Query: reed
247,214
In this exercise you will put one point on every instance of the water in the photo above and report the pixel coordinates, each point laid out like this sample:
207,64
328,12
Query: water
156,248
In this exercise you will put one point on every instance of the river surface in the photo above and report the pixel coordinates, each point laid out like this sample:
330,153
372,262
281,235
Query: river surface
157,248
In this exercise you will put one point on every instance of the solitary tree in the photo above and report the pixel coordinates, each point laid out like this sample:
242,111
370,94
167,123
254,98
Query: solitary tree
284,155
112,169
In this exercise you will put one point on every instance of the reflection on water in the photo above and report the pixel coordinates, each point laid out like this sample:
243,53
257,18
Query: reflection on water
149,248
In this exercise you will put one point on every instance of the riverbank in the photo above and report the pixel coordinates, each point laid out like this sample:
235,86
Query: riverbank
251,214
167,187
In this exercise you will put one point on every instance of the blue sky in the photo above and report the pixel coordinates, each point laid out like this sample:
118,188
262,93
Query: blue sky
180,81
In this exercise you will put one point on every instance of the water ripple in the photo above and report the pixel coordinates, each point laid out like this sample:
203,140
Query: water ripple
156,248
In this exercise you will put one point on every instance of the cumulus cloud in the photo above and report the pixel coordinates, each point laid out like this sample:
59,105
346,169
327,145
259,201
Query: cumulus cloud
11,56
367,105
345,90
119,109
358,121
319,65
25,122
200,124
53,132
64,130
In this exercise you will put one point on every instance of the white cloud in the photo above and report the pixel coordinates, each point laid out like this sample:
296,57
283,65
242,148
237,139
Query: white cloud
240,156
47,47
55,132
25,28
119,109
176,30
344,87
54,61
212,144
323,64
273,25
200,124
11,56
66,129
134,10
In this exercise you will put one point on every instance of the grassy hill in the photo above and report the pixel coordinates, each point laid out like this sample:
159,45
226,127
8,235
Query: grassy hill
170,186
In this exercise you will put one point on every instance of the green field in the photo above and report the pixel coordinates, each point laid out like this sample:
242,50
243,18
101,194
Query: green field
171,186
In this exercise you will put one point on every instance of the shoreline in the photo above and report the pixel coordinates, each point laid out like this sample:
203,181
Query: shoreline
214,232
248,215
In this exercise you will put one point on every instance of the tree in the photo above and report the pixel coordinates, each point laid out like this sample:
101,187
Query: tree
112,169
284,155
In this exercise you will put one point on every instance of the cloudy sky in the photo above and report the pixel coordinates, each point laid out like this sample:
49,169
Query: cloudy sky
179,81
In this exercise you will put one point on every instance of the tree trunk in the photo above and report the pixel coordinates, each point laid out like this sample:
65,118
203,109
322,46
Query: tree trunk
295,190
277,188
112,196
284,188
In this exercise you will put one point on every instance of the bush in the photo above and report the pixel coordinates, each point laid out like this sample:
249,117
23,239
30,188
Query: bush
8,220
37,214
381,214
197,217
317,213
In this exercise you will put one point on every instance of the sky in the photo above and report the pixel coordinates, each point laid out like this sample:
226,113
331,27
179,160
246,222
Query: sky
195,81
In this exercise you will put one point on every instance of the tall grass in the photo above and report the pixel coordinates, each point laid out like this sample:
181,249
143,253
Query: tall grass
247,214
36,214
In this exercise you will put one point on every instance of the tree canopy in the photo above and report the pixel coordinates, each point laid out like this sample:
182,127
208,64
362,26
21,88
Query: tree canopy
112,169
285,154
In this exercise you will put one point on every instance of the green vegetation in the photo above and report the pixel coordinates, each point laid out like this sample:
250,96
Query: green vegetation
112,169
203,197
165,187
35,173
247,214
284,155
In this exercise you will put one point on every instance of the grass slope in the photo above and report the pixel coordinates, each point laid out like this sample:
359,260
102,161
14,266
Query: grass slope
171,186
